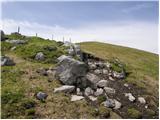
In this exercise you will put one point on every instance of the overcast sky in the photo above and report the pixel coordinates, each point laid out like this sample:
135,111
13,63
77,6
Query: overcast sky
132,24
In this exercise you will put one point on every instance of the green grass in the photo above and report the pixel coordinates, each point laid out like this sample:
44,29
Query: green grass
142,66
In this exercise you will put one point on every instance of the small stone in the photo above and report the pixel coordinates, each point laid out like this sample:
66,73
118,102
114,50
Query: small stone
102,83
146,106
39,56
65,88
97,71
117,104
41,95
109,90
105,72
107,64
110,78
92,98
92,66
126,85
99,92
78,91
13,48
76,98
88,91
109,103
141,100
130,97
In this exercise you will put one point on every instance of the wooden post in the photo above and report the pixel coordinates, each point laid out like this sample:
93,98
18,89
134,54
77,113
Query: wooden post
63,39
36,34
52,36
18,29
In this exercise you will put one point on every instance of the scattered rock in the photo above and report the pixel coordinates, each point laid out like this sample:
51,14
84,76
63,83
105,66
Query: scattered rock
105,72
93,79
39,56
76,97
102,83
117,104
88,91
141,100
126,85
41,95
13,48
62,57
119,75
109,90
109,103
92,98
130,97
97,71
78,91
107,64
110,78
64,88
6,61
92,66
98,92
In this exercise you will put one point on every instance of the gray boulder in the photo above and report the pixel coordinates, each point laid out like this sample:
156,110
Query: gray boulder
92,98
97,71
70,71
6,61
92,66
65,88
119,75
39,56
41,95
78,91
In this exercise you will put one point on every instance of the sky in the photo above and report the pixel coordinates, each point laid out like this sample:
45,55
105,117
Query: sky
132,24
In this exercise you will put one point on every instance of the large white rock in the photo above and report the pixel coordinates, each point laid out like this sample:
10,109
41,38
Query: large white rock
130,97
65,88
76,98
110,103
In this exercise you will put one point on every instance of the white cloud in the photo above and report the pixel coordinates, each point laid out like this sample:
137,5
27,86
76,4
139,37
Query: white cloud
140,35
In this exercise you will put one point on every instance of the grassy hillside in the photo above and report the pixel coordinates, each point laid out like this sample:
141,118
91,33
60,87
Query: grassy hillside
142,66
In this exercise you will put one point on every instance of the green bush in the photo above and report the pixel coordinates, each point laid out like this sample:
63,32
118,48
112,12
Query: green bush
133,113
5,46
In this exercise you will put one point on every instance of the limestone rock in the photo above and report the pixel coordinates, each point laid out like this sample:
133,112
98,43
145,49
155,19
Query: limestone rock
76,98
64,88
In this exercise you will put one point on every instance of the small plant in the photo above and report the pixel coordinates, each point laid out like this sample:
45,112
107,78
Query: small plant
101,98
104,112
133,113
31,111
